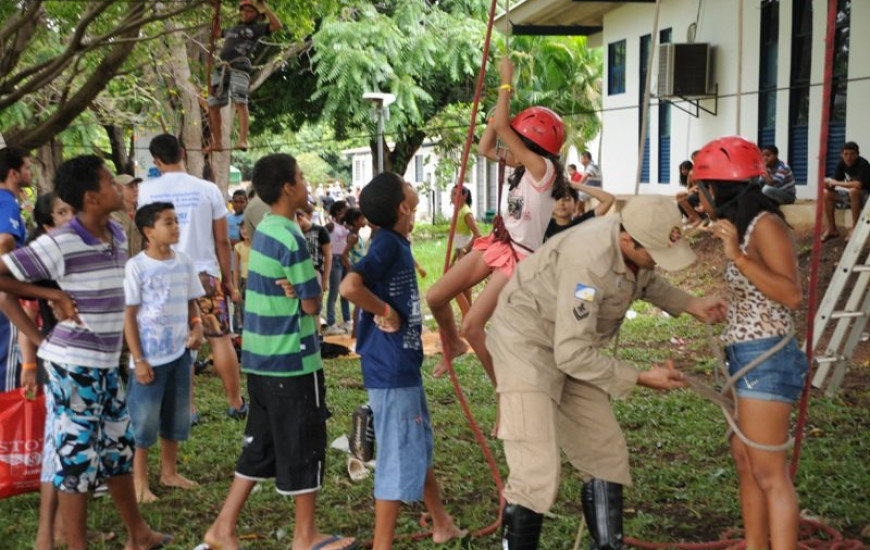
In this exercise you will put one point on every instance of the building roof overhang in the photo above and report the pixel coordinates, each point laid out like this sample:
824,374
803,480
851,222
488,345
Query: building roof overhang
559,17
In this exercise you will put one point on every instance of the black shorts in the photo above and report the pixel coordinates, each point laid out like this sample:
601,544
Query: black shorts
285,437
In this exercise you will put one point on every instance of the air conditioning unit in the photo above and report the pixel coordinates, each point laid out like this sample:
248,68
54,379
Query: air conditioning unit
684,70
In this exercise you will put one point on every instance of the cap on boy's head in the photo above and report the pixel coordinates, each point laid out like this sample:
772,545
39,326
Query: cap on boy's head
126,179
148,214
655,223
271,173
379,200
166,148
77,176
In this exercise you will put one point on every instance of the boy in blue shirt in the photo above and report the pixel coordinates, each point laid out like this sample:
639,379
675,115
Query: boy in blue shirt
384,285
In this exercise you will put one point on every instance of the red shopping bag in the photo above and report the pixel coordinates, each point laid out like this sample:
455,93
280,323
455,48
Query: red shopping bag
22,424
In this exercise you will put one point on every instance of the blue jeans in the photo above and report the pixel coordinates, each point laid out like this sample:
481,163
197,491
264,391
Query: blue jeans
779,378
163,406
403,433
335,276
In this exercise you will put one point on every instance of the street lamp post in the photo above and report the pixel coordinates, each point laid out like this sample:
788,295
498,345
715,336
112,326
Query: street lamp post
380,111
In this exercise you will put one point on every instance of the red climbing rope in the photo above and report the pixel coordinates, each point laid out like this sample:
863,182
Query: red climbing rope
478,435
814,535
215,32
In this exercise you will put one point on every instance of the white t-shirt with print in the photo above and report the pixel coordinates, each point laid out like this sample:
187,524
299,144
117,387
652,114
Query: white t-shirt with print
198,203
529,209
161,289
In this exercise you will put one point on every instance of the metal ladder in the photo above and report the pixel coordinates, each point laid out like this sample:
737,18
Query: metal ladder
852,276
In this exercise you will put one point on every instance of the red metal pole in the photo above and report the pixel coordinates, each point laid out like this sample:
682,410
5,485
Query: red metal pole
817,242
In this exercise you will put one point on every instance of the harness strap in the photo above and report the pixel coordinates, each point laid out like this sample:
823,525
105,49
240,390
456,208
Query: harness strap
500,233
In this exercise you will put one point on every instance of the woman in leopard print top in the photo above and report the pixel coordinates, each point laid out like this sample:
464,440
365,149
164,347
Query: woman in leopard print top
765,290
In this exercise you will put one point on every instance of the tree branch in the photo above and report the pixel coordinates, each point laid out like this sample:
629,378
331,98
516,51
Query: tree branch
55,67
270,67
21,26
62,117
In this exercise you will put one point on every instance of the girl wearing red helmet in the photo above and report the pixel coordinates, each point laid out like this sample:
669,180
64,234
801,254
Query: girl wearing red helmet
765,290
533,140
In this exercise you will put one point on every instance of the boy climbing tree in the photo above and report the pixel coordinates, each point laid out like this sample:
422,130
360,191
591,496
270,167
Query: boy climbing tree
232,73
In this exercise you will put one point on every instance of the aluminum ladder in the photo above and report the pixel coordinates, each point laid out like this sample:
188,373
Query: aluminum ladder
851,277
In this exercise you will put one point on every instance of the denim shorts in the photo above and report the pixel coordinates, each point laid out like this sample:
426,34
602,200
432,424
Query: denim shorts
163,406
779,378
403,434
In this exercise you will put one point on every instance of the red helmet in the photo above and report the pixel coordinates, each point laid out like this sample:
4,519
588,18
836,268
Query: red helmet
731,158
542,127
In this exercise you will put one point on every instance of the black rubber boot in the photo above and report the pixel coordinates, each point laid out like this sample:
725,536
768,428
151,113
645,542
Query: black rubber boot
602,508
520,528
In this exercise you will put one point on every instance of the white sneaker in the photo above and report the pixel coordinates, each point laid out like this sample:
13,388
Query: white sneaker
348,326
334,330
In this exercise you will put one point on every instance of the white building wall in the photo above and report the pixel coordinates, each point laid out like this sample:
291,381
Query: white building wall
719,24
363,166
858,100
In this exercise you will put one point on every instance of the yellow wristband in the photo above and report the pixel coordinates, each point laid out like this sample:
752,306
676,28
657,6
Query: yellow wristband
28,366
507,87
195,320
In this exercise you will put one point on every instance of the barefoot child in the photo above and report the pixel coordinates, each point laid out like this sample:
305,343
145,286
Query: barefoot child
162,323
286,431
384,286
533,139
49,212
92,432
232,74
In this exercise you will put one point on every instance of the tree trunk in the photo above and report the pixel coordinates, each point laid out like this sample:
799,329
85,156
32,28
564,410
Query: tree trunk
48,158
191,115
120,157
404,150
220,160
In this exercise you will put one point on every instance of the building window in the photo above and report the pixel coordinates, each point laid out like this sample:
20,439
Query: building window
767,72
418,168
839,85
357,171
665,37
645,43
616,68
799,95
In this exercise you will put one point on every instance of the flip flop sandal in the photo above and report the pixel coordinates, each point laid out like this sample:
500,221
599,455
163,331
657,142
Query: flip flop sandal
335,538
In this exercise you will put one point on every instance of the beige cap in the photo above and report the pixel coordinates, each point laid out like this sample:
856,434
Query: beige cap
126,179
655,222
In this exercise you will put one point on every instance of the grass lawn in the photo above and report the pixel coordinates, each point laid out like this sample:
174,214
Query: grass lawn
684,488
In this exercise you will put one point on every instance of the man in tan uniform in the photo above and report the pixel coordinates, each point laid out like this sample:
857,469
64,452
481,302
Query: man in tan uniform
560,309
130,192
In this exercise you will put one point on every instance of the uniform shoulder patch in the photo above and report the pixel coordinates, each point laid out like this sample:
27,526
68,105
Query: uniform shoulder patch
580,312
585,293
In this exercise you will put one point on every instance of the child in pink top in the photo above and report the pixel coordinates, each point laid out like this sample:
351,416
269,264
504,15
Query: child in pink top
533,140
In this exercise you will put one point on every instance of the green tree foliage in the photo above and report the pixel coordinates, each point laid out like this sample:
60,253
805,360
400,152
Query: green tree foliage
56,58
560,73
425,53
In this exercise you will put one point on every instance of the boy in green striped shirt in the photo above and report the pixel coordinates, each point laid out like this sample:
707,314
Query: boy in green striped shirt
285,435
